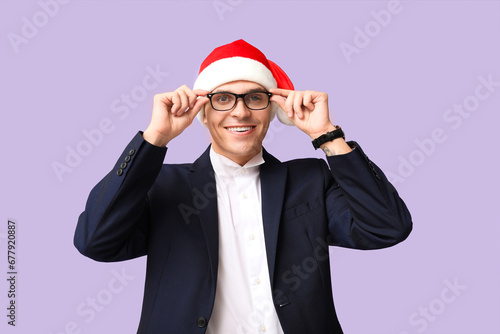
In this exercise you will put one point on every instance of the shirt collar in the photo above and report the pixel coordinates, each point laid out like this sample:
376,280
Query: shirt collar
224,166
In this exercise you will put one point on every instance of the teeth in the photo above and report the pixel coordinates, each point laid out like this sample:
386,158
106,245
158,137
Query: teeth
240,129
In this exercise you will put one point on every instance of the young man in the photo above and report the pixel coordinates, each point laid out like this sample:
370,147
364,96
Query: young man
237,242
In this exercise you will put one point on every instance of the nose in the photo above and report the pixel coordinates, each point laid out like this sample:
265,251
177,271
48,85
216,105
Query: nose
240,110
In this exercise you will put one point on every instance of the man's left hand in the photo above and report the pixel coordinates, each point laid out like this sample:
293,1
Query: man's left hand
308,110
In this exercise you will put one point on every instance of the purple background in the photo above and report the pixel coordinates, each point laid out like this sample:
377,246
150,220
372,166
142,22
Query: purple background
390,95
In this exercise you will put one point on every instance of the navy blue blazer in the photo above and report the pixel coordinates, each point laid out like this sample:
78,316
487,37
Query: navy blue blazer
169,213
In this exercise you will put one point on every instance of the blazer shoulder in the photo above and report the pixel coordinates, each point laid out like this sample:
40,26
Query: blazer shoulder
178,169
308,170
306,164
179,166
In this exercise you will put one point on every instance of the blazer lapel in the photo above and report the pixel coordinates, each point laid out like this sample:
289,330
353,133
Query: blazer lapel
204,192
273,182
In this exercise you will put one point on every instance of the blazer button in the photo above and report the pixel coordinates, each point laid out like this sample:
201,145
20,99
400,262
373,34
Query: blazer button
201,322
127,158
119,172
131,152
123,165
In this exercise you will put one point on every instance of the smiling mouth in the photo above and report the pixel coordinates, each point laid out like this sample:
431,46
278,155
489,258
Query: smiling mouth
240,129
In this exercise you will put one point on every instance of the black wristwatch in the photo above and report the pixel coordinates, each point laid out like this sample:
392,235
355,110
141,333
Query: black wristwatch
329,136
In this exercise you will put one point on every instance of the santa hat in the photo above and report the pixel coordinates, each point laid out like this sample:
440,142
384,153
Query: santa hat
241,61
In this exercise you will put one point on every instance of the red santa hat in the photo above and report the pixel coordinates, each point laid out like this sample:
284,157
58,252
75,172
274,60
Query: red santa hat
241,61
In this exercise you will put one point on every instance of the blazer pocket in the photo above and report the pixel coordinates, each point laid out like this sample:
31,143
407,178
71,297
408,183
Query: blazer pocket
301,209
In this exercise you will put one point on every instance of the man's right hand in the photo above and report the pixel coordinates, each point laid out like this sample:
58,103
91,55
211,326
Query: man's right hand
172,113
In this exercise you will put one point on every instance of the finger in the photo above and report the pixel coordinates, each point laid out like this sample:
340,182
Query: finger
189,94
280,91
200,103
201,92
289,104
280,101
191,99
192,112
183,92
183,88
176,102
184,103
298,102
194,94
308,98
164,98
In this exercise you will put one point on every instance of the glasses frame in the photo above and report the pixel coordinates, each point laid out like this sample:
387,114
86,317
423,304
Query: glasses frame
242,96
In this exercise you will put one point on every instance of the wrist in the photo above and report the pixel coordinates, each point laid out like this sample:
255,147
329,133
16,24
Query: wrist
326,129
329,136
336,147
154,138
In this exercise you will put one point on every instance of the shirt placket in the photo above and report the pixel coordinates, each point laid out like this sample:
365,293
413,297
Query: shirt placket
251,237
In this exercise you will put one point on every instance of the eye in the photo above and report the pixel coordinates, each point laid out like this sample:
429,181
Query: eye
223,98
255,97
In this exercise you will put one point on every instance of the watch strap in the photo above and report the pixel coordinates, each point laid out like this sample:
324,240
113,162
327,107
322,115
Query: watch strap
329,136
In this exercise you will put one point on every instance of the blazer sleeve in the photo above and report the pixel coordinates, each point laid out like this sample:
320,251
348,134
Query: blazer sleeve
114,225
364,209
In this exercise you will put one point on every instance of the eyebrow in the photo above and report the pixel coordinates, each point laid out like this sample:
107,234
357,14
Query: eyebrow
252,90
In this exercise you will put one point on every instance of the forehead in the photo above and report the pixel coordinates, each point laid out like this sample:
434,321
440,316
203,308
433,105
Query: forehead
238,87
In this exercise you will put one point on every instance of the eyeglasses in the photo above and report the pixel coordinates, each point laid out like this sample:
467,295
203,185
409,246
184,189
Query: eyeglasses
225,101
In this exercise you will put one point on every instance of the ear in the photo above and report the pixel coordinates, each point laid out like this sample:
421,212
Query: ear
204,117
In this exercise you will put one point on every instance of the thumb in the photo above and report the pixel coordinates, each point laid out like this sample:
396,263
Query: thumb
200,102
280,101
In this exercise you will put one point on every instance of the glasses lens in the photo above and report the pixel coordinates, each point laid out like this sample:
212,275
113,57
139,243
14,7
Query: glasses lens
257,100
222,101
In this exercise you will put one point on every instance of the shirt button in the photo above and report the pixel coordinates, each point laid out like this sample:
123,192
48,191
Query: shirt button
262,328
252,237
245,196
243,172
257,281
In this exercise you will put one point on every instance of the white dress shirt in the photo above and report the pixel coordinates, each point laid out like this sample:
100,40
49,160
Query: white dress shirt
243,299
